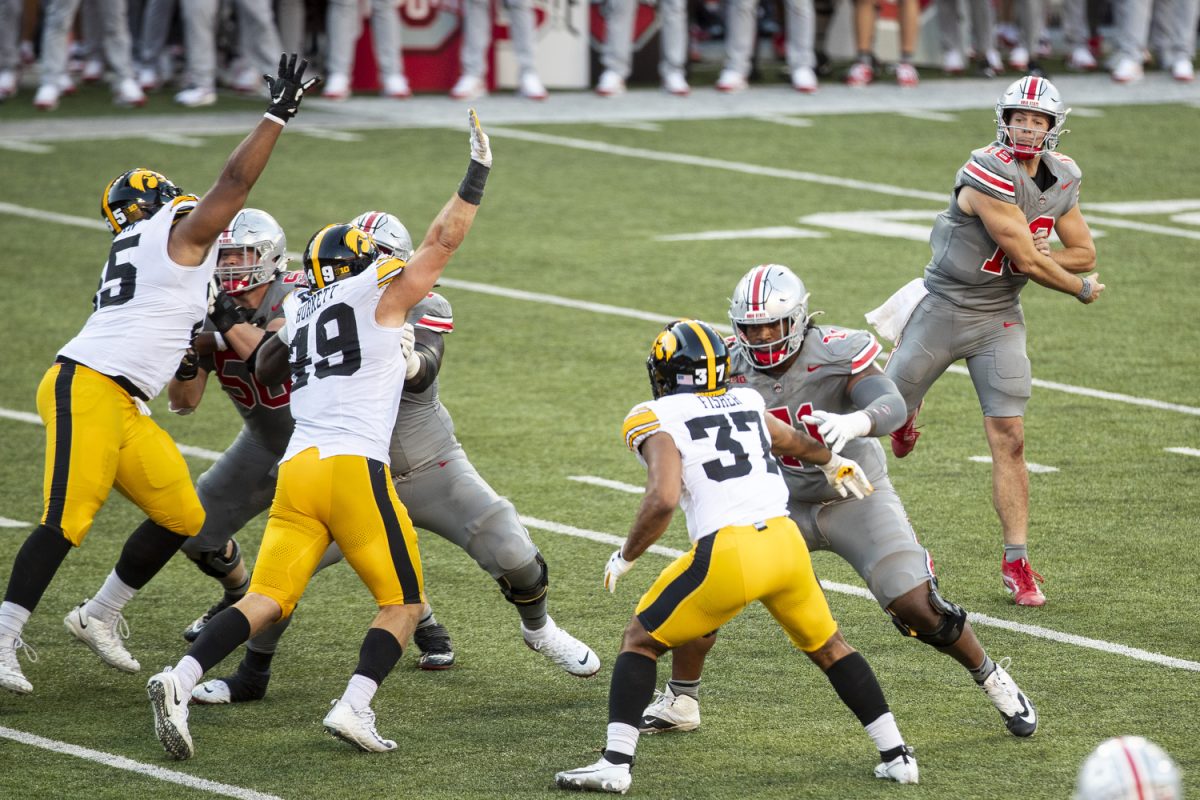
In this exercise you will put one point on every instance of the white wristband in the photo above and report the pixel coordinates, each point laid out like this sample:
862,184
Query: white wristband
219,341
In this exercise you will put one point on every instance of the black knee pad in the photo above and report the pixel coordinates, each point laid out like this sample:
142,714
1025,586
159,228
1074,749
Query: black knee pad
216,565
526,585
952,620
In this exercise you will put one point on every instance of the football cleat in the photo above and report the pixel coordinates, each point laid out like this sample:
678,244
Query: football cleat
1127,70
8,83
804,80
901,769
396,87
603,776
860,74
907,76
337,86
904,438
673,82
1021,582
11,677
169,703
46,98
530,86
129,94
356,728
1020,717
196,97
563,649
242,686
953,62
1183,71
468,87
610,84
192,632
103,636
671,712
731,81
434,643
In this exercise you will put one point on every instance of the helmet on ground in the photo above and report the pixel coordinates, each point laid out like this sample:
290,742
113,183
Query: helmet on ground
262,245
688,356
767,294
1128,768
1031,94
133,196
336,252
389,233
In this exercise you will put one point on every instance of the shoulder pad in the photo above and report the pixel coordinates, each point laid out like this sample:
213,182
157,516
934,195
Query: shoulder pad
854,349
433,313
639,423
1068,163
991,170
182,205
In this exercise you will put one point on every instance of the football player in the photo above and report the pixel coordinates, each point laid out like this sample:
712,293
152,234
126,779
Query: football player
707,448
151,301
824,379
989,242
344,344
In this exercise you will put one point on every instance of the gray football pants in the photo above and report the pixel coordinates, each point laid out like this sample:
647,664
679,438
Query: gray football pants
477,35
115,39
153,32
618,44
344,25
1177,26
10,34
983,25
238,487
741,24
1031,19
199,35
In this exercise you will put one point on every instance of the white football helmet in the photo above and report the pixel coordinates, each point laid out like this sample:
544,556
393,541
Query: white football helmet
1128,768
258,235
1031,94
770,293
389,233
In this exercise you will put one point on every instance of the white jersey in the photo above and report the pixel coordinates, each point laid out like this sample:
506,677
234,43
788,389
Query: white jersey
148,308
347,369
729,475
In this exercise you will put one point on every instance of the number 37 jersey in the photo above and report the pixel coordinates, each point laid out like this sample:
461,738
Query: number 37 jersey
347,369
729,475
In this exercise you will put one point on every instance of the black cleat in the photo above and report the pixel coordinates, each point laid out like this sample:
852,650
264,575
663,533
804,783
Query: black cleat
434,643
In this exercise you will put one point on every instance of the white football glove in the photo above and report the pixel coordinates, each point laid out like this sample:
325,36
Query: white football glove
837,429
845,474
408,342
481,149
615,568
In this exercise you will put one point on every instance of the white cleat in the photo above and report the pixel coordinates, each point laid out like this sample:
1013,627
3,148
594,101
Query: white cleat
731,81
468,87
674,82
603,776
337,86
169,703
1127,70
671,712
953,62
531,87
147,78
396,87
610,84
196,97
1183,71
212,693
103,636
356,728
8,83
1020,717
46,98
901,769
11,677
804,80
129,94
563,649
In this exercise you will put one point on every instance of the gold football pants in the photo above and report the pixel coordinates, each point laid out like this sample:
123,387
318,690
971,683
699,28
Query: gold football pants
97,439
728,570
349,500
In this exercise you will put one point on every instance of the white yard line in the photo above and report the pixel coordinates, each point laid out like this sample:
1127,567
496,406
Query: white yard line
647,127
791,122
1036,468
332,135
179,140
776,232
607,483
149,770
22,146
929,116
1183,451
5,522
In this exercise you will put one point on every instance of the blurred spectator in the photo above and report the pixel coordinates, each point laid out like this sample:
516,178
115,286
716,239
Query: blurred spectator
617,54
477,36
255,19
290,18
983,37
862,71
741,39
1031,21
153,29
10,46
1081,24
1178,32
117,50
344,26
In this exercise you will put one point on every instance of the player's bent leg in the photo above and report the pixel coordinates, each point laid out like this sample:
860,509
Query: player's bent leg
225,565
1017,710
677,707
433,640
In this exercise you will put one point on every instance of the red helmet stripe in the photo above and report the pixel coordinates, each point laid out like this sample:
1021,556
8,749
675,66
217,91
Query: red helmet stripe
756,289
1031,88
1138,780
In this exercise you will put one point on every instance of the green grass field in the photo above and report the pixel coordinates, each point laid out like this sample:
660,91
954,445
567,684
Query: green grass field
538,390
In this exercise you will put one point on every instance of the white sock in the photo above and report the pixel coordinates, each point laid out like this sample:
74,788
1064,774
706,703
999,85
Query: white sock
188,671
111,598
12,619
359,692
884,733
622,738
537,635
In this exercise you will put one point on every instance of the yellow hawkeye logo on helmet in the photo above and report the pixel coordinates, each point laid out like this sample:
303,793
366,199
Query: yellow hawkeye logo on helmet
359,241
665,346
143,179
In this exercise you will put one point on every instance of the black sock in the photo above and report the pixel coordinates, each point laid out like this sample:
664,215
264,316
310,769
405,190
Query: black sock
984,670
38,559
220,637
146,551
379,653
633,679
255,661
856,684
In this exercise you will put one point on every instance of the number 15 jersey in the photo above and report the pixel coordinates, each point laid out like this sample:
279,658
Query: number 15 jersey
347,369
729,475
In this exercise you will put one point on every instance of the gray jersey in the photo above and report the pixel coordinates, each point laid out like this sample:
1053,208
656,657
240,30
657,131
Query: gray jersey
266,410
817,380
968,268
424,431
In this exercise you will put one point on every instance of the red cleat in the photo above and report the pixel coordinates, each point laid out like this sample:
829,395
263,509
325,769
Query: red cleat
1021,582
904,439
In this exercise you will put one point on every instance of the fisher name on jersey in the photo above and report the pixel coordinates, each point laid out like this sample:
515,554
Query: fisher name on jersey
968,268
729,474
816,380
347,369
424,430
147,307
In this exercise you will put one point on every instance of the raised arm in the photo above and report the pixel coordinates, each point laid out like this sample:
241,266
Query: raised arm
664,481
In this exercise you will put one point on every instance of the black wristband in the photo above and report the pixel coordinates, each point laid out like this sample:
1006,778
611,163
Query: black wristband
471,188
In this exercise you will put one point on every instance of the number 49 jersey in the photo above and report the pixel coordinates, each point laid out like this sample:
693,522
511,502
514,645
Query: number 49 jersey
347,369
729,475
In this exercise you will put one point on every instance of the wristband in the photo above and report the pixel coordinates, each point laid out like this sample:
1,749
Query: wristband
1085,292
471,188
280,122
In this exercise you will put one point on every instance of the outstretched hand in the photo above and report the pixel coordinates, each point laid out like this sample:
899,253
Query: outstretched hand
288,87
481,148
847,477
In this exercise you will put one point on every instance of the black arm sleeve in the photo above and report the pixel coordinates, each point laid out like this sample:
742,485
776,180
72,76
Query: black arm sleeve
878,396
430,348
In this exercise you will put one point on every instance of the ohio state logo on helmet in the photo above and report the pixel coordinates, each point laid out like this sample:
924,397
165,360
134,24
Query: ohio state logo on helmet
250,252
766,295
1031,94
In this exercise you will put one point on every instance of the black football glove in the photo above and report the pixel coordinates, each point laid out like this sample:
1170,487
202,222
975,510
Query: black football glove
288,88
224,313
189,366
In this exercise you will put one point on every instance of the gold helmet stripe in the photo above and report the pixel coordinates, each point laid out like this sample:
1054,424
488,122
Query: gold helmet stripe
112,221
316,261
709,355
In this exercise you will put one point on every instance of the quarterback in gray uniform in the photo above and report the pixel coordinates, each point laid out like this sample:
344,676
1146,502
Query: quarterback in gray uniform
990,241
443,493
825,379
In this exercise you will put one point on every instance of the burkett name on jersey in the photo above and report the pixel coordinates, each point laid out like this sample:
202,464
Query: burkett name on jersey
311,302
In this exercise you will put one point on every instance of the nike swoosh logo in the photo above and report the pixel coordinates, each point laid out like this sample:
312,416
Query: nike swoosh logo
82,621
1026,714
814,367
1066,185
1010,324
583,661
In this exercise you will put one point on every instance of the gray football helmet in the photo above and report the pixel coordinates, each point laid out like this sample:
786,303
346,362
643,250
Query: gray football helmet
766,294
1031,94
1128,768
389,233
257,234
